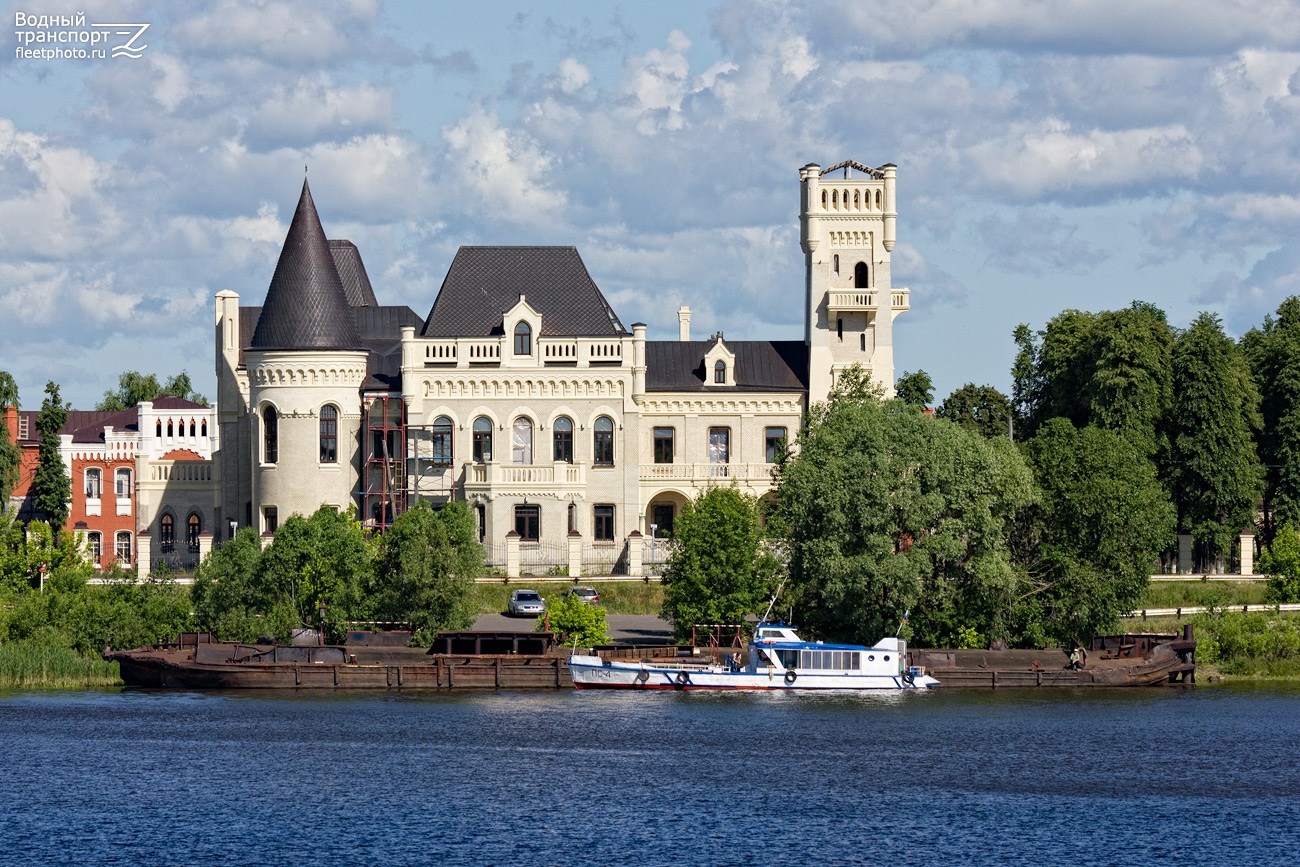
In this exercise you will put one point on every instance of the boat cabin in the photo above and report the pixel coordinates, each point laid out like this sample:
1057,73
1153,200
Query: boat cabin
780,648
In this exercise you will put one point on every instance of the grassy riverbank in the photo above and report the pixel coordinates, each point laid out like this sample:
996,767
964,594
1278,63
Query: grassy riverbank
26,665
618,597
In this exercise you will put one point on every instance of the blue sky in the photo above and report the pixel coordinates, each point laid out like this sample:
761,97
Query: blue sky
1083,154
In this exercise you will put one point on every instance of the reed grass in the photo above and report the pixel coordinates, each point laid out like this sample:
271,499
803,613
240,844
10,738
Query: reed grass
27,664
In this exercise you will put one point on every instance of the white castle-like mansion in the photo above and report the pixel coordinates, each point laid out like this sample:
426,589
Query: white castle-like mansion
574,439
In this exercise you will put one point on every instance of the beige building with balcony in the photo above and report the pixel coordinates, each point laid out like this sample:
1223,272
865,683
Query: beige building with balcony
575,439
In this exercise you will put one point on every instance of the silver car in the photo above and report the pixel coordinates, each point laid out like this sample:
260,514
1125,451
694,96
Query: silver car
526,603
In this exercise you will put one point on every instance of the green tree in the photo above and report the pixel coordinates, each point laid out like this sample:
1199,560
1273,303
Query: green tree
318,562
134,387
10,454
231,598
1097,532
1281,563
718,568
888,511
576,622
981,409
51,486
1215,472
426,567
916,389
1273,351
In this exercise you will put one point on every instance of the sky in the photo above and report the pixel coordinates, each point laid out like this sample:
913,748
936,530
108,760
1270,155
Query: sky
1076,154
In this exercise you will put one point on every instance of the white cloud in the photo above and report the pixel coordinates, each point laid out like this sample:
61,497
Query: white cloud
501,171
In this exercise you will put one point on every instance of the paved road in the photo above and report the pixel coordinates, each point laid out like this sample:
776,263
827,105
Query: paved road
623,628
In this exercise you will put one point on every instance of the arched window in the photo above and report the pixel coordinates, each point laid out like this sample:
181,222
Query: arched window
855,200
837,263
442,441
861,275
835,198
94,483
170,429
523,339
122,483
205,427
862,339
877,200
123,547
94,548
166,532
563,438
523,440
482,439
191,428
193,527
157,428
602,441
823,200
270,435
329,435
720,373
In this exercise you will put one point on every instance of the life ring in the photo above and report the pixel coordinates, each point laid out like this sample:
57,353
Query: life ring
908,678
791,675
642,676
683,678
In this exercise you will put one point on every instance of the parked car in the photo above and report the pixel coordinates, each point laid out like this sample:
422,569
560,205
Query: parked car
586,594
526,603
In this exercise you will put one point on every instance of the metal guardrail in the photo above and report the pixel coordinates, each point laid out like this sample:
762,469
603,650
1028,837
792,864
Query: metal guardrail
1148,613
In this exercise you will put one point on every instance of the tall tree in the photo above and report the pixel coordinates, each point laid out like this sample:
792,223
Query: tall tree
718,568
52,486
916,389
1096,533
134,387
425,569
320,561
10,454
887,510
1216,473
1273,351
978,408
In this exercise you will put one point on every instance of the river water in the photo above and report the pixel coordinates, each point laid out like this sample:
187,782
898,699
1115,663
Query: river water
1202,776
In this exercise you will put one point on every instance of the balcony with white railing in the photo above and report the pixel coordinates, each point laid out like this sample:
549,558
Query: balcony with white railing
866,300
523,478
466,352
705,473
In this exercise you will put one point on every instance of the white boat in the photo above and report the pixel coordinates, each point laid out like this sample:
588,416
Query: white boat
776,658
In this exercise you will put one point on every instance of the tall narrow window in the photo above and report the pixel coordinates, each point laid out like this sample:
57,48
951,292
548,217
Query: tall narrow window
663,445
94,547
122,483
442,437
602,441
270,435
191,428
170,429
719,451
481,514
193,527
329,435
773,443
157,428
94,483
523,339
522,440
563,437
270,519
839,327
861,276
837,263
603,523
166,532
528,522
482,439
205,427
720,373
124,547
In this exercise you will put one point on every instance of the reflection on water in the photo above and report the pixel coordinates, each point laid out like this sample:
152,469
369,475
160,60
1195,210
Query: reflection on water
565,777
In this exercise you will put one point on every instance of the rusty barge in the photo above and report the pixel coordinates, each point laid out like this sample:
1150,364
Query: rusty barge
470,660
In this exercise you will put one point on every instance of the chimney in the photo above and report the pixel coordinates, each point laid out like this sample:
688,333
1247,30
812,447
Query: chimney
683,324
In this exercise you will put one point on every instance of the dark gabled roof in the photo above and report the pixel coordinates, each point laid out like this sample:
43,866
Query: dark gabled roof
352,273
761,365
305,306
485,282
169,402
87,426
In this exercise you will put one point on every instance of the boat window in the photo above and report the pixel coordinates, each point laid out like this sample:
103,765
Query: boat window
789,658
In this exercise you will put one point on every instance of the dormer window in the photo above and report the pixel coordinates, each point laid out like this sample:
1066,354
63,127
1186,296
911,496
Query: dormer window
720,373
722,362
523,339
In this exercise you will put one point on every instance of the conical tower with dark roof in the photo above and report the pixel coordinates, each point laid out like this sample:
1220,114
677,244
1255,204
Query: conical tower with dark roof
305,365
306,307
